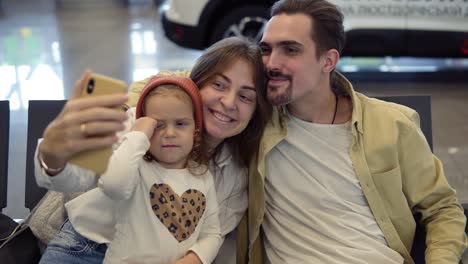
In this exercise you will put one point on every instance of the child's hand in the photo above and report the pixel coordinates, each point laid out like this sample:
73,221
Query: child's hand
145,125
143,259
190,258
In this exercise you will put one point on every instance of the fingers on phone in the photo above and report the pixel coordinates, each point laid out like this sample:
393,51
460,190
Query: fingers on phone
80,85
100,128
98,142
97,114
103,114
109,101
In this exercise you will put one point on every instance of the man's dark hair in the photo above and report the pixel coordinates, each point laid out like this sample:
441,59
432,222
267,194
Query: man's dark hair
327,21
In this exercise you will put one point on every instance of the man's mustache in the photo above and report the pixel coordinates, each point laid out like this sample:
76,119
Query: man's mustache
276,74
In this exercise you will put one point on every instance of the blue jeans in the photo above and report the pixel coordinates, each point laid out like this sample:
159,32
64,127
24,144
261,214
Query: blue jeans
72,248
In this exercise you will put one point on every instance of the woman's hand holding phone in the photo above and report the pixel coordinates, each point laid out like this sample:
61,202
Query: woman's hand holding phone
84,124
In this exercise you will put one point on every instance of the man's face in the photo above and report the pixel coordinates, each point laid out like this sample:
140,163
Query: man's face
289,56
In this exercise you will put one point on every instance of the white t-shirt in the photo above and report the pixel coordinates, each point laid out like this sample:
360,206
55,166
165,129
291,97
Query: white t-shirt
162,213
316,211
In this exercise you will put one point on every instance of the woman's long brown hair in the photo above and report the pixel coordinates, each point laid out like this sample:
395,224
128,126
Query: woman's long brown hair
218,58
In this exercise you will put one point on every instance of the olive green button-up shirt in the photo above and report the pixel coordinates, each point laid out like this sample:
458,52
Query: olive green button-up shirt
398,174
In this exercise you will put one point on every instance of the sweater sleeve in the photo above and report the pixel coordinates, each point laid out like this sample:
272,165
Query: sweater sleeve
122,175
71,179
74,178
210,238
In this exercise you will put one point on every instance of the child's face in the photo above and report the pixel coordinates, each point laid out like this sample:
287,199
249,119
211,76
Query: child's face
172,140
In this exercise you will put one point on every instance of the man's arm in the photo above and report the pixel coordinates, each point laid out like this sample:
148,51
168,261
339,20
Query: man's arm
429,193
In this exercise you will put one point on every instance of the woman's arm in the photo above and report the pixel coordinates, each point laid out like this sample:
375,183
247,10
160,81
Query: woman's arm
71,179
74,178
231,190
64,136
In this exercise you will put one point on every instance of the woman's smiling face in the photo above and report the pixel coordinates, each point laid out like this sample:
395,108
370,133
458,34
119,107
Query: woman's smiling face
229,101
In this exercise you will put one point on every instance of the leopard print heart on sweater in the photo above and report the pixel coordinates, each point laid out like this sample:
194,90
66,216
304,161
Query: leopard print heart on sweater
180,214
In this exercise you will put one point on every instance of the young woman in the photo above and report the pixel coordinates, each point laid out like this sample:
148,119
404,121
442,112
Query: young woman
231,80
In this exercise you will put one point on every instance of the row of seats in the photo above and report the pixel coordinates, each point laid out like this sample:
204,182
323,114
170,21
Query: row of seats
41,113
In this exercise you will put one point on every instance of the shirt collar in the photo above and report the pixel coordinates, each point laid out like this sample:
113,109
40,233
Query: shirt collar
343,86
224,157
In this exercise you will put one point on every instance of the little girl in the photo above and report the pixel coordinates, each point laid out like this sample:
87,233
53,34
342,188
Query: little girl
166,200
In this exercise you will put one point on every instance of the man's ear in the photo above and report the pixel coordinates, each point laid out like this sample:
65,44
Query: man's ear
331,58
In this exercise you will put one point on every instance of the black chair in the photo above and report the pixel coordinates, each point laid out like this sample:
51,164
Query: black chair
4,143
422,105
40,114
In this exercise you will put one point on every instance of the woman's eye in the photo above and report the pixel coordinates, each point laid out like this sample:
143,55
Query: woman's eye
246,98
181,123
218,85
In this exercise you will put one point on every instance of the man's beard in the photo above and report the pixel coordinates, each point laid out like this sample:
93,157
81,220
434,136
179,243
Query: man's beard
279,99
275,98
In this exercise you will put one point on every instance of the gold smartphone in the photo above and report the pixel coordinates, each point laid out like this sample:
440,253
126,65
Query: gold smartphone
95,85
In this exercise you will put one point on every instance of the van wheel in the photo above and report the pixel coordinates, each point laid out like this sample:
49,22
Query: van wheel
247,21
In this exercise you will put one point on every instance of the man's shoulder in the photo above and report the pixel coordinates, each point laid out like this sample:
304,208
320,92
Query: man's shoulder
373,107
379,117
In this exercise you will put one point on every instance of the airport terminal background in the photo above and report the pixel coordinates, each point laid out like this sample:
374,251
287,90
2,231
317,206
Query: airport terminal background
45,45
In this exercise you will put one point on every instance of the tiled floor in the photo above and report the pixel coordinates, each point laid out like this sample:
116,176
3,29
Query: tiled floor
44,49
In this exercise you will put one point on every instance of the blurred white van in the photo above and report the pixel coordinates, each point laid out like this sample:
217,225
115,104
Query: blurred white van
420,28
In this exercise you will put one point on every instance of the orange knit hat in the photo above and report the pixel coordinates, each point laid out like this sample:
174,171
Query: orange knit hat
186,84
